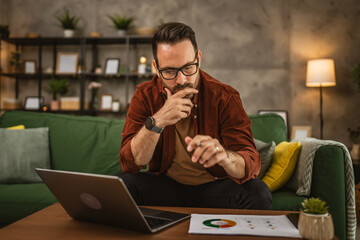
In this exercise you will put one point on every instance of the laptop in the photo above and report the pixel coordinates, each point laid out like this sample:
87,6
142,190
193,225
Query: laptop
104,200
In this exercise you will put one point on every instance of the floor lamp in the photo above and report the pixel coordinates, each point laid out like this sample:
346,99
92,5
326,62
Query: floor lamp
320,73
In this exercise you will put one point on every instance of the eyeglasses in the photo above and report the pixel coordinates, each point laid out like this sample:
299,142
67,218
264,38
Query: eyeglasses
187,70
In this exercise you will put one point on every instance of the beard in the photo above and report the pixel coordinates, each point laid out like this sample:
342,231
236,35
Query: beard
179,87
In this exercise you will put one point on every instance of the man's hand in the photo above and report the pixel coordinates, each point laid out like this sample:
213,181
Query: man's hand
175,108
208,151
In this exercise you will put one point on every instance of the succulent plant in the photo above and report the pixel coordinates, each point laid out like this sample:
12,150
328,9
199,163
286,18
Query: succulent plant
314,206
67,21
56,87
121,23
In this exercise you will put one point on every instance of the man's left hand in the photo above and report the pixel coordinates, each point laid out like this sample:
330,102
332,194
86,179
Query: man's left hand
207,151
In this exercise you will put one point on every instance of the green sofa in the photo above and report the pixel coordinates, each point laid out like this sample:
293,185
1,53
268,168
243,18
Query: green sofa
92,144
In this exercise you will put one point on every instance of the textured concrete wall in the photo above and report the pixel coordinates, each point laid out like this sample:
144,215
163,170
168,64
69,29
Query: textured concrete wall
258,47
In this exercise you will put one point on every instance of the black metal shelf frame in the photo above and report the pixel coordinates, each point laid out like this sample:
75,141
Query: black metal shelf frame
83,42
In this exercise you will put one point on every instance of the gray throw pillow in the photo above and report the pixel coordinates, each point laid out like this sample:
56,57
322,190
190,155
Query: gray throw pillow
266,151
21,151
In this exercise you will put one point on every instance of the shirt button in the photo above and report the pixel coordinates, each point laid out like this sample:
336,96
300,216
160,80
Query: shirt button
195,116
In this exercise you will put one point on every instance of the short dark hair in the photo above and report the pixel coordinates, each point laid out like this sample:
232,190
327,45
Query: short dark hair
173,32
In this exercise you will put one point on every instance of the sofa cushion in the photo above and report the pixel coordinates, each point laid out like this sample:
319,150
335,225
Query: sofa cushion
20,200
283,165
266,151
21,151
77,143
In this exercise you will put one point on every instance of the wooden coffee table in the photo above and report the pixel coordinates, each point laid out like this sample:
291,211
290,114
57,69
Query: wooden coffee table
54,223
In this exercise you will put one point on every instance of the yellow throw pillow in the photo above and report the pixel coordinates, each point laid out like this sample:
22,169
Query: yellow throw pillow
17,127
283,165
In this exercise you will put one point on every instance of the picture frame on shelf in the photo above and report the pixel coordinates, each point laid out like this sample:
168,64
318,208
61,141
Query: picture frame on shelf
106,102
66,63
282,113
300,132
112,66
29,66
33,103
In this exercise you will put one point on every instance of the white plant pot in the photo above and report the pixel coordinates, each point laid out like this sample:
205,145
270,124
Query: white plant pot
316,227
68,33
121,32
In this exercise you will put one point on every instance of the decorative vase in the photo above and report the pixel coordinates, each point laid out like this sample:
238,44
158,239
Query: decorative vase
68,33
355,151
94,99
55,105
316,226
121,32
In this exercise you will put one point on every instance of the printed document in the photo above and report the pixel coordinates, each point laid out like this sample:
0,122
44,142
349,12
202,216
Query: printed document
259,225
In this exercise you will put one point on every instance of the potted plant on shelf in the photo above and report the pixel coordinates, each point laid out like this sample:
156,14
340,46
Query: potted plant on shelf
68,23
56,88
315,222
15,61
4,31
122,24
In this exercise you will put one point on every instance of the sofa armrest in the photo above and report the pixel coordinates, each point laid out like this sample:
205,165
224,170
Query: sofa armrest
328,183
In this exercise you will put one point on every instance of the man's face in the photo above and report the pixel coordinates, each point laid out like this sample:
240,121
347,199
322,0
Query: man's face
176,56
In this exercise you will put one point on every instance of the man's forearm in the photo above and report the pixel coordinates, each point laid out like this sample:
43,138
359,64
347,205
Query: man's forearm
143,146
235,167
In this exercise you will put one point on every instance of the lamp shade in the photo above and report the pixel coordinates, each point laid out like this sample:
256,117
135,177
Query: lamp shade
320,72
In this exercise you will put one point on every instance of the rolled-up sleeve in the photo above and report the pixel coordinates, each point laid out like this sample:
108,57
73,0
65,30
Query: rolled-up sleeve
134,122
236,135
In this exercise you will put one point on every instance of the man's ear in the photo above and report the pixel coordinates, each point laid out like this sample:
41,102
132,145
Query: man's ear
199,57
156,69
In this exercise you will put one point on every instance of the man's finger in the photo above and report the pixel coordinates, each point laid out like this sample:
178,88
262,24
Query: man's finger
182,93
168,93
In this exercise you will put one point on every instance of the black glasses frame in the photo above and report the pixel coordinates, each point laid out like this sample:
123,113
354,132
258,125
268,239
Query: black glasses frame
179,69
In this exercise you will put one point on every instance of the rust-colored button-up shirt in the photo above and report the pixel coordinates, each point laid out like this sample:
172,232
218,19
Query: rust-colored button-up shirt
217,112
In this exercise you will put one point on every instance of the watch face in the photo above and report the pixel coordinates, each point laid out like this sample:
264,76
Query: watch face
149,123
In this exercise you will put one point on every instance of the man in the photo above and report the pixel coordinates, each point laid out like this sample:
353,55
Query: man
192,132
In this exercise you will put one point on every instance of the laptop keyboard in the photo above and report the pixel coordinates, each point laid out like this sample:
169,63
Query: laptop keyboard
156,222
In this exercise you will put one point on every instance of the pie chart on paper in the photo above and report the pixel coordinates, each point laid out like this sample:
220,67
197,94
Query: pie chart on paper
219,223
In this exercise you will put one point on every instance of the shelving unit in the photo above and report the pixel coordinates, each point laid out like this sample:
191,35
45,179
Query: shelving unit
82,43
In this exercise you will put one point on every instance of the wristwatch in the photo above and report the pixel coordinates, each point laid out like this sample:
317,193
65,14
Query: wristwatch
150,125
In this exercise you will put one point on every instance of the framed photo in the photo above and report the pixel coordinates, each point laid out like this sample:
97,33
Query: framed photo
282,113
33,103
106,102
29,66
300,132
112,66
66,63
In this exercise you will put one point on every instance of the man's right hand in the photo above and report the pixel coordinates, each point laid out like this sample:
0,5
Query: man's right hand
175,108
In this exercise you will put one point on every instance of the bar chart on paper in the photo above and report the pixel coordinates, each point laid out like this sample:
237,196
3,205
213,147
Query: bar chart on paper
264,225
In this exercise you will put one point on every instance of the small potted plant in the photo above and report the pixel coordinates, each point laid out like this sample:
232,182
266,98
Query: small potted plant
15,61
122,24
315,222
56,88
4,31
68,23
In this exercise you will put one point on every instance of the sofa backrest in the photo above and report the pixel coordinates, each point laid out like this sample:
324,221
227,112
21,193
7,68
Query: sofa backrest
92,144
268,127
77,143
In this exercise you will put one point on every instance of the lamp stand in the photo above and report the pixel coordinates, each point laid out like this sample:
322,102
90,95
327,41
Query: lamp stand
321,113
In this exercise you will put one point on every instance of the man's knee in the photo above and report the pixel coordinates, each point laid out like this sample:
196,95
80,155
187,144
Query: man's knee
257,196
